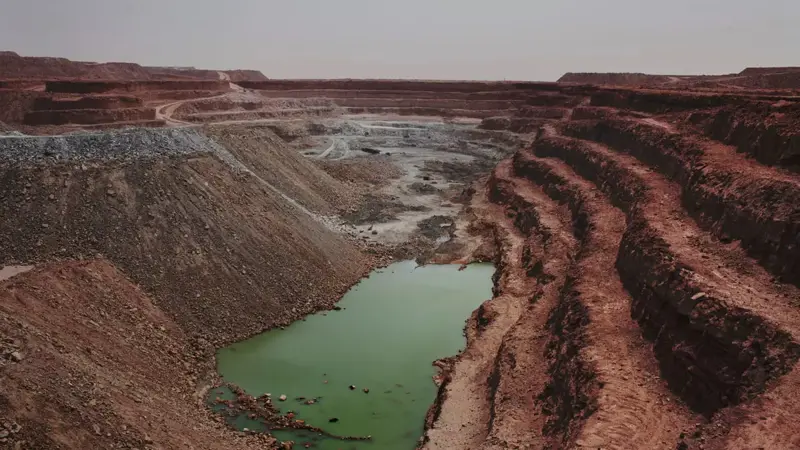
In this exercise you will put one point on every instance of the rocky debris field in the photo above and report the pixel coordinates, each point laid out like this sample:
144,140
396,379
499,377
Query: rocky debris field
72,379
10,351
414,170
125,145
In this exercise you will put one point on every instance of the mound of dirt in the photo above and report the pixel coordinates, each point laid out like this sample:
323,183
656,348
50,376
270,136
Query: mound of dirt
224,252
378,209
423,188
96,364
88,116
361,170
271,159
459,171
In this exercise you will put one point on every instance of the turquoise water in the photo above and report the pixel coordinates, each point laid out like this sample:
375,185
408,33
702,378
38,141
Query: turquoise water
391,328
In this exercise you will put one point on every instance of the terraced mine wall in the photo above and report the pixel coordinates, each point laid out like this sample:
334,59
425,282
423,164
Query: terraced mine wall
570,98
759,129
399,85
768,78
20,83
427,103
570,395
714,375
15,104
298,98
540,360
88,102
238,116
658,102
352,104
174,95
36,108
619,79
220,104
89,116
513,124
732,204
787,80
90,87
542,112
695,242
413,97
424,111
336,93
525,119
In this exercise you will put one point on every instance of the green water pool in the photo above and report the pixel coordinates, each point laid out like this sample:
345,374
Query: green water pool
390,329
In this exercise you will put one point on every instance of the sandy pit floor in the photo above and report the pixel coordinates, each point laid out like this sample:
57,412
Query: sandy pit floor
436,161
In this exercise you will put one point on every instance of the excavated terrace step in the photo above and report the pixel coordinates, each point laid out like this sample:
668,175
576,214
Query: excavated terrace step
467,412
521,372
722,329
634,408
420,111
735,197
388,93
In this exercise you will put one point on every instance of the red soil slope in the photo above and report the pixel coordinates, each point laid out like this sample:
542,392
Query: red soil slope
97,365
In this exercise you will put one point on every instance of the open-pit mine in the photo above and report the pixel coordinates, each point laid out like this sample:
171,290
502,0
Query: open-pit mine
212,259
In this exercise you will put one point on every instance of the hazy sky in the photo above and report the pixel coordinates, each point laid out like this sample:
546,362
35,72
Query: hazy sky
448,39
